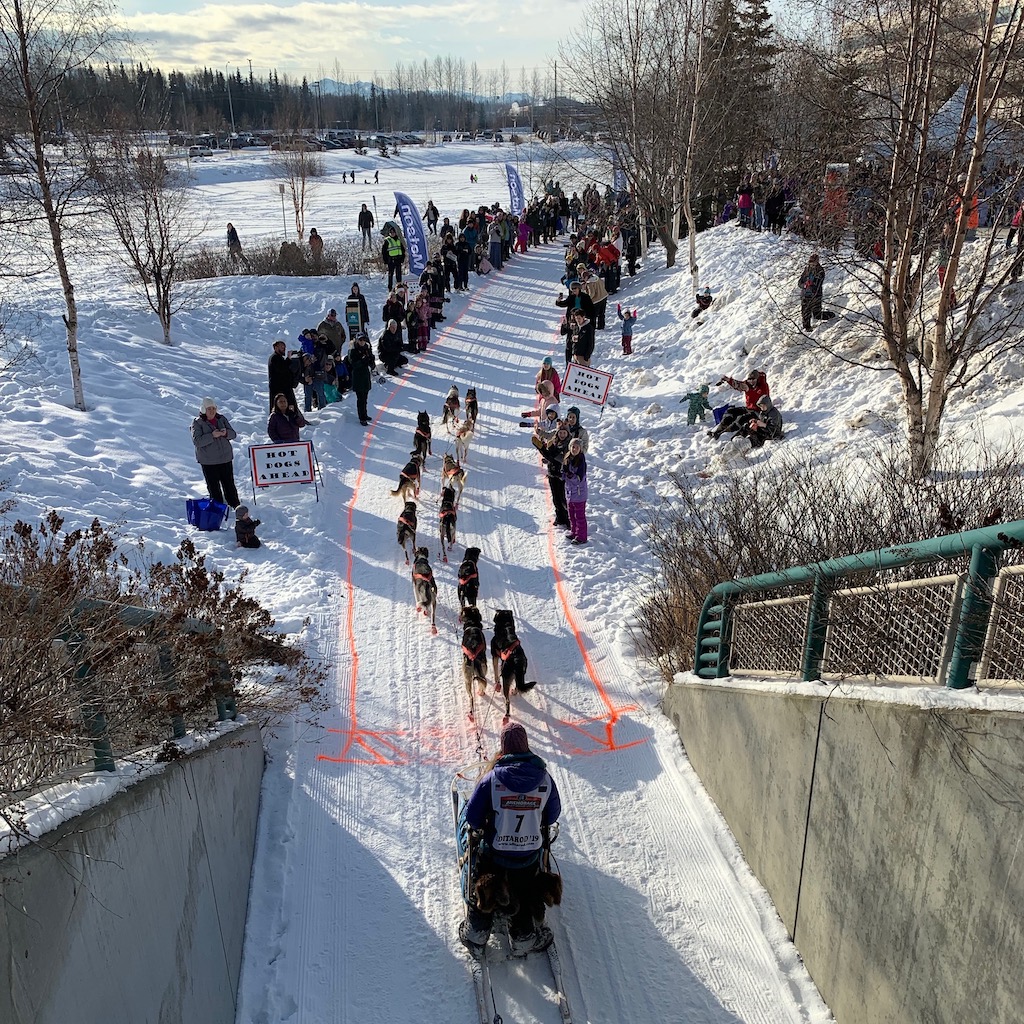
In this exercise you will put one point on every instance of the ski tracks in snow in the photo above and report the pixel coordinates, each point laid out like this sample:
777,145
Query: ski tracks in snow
355,870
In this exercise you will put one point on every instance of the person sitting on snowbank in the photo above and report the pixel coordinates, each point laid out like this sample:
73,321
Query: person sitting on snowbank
766,425
508,854
703,300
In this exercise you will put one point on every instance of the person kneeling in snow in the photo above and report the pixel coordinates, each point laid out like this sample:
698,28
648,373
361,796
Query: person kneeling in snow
245,528
511,810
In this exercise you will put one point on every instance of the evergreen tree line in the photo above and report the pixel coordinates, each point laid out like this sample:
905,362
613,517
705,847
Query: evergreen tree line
445,94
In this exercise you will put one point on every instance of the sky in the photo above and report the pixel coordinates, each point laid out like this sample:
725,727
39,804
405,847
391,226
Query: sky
315,39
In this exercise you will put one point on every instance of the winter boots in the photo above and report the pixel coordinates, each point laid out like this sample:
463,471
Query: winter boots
535,942
475,941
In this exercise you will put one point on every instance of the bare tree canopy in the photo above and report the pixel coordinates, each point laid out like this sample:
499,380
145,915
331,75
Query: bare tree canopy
41,43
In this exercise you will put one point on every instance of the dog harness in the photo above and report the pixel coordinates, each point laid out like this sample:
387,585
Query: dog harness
517,817
420,432
473,655
463,579
409,474
447,511
429,577
406,522
507,653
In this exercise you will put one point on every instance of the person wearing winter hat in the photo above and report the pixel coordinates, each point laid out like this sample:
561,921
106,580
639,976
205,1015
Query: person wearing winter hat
334,331
513,807
574,477
212,435
546,426
548,372
245,528
628,320
281,373
703,300
576,429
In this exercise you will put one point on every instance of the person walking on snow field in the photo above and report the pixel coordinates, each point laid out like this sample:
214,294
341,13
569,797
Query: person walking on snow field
510,811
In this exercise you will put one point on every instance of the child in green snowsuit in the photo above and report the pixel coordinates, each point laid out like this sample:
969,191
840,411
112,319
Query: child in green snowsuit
698,404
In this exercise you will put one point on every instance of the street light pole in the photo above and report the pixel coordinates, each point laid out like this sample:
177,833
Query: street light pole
231,108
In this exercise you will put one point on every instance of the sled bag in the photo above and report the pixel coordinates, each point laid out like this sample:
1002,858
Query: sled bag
205,513
719,413
353,316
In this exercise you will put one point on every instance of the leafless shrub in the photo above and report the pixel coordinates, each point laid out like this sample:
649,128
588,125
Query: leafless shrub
96,642
285,259
797,510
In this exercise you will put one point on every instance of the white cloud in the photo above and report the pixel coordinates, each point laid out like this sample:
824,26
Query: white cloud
309,38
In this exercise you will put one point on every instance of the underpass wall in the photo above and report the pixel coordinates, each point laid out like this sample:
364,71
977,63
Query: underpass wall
888,836
134,912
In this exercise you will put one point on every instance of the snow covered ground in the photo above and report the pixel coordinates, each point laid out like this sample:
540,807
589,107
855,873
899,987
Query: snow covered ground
354,897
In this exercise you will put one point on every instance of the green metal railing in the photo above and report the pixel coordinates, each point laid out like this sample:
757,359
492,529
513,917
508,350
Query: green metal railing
972,612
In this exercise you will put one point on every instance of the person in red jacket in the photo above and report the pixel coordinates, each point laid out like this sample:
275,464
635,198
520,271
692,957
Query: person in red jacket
736,417
753,386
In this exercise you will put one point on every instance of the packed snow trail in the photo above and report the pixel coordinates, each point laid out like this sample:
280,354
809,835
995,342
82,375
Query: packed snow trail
354,899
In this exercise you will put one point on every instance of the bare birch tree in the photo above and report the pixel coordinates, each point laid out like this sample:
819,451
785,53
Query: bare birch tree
925,195
633,57
151,207
42,42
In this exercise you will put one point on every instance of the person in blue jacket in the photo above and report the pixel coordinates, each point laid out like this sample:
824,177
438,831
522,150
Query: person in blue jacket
512,807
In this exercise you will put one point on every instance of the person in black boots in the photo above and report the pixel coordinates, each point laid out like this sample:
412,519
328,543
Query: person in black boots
361,365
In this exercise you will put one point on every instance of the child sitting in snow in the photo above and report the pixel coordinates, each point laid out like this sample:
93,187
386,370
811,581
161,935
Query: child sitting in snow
704,301
628,320
245,528
699,404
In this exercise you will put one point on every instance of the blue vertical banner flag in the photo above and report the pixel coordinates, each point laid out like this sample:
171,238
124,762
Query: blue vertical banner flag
415,237
619,183
517,198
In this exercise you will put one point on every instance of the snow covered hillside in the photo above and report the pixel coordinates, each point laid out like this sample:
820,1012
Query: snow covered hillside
355,898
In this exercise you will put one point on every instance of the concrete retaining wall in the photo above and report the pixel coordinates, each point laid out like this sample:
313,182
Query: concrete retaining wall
908,903
134,912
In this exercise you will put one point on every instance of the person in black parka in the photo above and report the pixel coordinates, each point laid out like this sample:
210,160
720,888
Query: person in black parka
361,364
281,374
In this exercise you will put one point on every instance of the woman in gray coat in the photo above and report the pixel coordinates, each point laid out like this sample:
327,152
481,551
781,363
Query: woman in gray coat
212,435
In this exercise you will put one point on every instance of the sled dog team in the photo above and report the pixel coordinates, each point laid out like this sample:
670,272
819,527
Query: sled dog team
508,659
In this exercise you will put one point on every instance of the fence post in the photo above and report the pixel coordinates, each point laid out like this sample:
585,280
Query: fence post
817,629
974,614
169,682
96,724
224,693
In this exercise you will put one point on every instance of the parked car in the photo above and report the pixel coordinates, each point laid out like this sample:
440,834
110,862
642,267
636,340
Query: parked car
195,152
299,144
446,138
